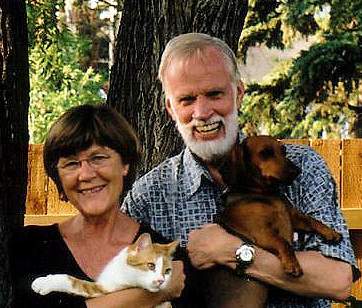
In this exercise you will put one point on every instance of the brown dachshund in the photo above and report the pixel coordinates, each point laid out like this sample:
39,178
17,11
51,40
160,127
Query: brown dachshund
254,208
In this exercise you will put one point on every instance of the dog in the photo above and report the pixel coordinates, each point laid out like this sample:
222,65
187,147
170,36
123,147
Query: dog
256,211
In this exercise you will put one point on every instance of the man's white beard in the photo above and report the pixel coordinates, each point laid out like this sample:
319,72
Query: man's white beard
210,150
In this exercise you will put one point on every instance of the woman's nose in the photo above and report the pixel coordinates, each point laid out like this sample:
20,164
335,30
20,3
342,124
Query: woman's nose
85,171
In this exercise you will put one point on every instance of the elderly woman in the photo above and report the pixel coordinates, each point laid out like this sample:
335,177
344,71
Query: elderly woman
91,154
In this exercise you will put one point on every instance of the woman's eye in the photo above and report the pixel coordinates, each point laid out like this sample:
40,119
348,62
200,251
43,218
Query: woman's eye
151,266
71,165
98,159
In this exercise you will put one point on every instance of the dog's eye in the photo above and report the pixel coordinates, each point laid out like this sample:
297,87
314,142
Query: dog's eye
266,153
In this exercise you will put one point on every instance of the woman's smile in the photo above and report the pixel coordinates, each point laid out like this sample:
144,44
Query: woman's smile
92,190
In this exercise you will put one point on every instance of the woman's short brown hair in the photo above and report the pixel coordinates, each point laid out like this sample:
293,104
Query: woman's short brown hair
80,127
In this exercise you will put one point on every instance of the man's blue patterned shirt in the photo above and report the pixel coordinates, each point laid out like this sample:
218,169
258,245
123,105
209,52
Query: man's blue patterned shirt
179,196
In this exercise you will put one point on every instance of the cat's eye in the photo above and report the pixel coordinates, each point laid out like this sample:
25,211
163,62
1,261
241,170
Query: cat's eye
168,271
151,266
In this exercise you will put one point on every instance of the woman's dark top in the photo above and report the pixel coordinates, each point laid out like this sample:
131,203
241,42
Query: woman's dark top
40,250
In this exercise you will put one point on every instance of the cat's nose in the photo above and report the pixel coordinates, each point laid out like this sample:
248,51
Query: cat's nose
159,281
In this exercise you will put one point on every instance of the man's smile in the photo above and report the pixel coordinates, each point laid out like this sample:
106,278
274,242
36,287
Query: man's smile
211,128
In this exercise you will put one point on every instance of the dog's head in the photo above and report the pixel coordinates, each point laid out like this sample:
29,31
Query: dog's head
266,163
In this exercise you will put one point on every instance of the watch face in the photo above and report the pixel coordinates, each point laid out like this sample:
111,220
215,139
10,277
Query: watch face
245,253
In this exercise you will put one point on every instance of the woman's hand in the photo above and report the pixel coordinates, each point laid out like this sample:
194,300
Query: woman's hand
140,298
177,282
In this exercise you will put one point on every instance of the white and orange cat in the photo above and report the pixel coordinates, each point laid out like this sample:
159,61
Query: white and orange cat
143,264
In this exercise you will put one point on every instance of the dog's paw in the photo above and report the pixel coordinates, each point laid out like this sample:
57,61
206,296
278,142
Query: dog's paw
42,285
293,269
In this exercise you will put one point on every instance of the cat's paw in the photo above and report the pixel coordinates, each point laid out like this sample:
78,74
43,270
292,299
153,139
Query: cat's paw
42,285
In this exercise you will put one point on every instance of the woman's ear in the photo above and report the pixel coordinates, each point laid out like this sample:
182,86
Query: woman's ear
125,170
63,197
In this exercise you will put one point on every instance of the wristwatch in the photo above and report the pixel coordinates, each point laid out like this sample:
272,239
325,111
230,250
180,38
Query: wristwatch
244,256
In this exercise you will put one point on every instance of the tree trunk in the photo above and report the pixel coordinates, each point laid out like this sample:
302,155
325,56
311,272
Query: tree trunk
146,26
14,105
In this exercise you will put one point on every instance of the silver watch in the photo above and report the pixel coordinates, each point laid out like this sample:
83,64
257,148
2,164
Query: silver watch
244,256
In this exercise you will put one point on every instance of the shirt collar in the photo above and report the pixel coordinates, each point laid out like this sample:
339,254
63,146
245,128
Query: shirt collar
195,171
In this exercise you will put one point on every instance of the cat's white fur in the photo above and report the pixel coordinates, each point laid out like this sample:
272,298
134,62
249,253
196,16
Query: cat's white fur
117,275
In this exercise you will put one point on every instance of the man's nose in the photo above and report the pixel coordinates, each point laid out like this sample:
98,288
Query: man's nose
202,109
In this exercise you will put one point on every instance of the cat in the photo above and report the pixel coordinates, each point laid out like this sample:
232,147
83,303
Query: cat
143,264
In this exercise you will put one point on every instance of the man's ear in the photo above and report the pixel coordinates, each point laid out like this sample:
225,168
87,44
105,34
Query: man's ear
169,109
240,90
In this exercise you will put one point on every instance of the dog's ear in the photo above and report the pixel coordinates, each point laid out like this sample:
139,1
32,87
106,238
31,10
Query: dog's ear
283,149
245,152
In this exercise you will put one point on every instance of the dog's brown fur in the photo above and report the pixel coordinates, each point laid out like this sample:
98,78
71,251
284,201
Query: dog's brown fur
255,209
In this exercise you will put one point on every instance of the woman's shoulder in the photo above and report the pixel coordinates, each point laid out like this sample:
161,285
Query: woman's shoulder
31,234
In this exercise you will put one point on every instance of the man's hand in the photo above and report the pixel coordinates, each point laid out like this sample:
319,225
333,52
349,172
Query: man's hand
212,245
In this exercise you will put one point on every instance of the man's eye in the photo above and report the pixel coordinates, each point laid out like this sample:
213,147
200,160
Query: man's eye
214,94
187,100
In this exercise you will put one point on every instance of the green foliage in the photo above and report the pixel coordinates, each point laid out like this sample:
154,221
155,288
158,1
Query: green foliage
42,21
58,82
309,96
262,24
58,78
334,60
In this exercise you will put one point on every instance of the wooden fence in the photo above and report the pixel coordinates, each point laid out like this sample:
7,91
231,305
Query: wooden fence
343,157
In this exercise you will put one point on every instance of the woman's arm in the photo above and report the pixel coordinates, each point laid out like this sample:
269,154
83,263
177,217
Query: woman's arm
140,298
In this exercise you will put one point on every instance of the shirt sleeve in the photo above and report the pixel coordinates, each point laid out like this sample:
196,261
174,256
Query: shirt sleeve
135,204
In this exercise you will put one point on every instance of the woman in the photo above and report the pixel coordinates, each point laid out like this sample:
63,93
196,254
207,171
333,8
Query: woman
90,153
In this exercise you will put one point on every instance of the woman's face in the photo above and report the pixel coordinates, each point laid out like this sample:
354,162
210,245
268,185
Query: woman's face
92,180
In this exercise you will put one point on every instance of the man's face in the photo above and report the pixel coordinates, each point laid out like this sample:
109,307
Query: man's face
203,101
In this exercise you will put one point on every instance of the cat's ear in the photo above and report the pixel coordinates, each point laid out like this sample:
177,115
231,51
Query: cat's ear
171,247
144,241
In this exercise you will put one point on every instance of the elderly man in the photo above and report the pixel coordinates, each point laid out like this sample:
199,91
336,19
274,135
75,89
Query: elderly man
180,198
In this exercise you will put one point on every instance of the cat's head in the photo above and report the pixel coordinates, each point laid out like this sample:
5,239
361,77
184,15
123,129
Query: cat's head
153,261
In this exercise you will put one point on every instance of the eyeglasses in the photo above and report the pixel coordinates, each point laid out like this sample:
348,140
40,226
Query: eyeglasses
95,161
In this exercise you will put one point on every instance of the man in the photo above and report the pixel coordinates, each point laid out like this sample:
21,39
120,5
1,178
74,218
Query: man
180,197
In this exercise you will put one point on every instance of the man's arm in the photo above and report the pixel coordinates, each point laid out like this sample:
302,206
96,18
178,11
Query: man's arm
323,276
